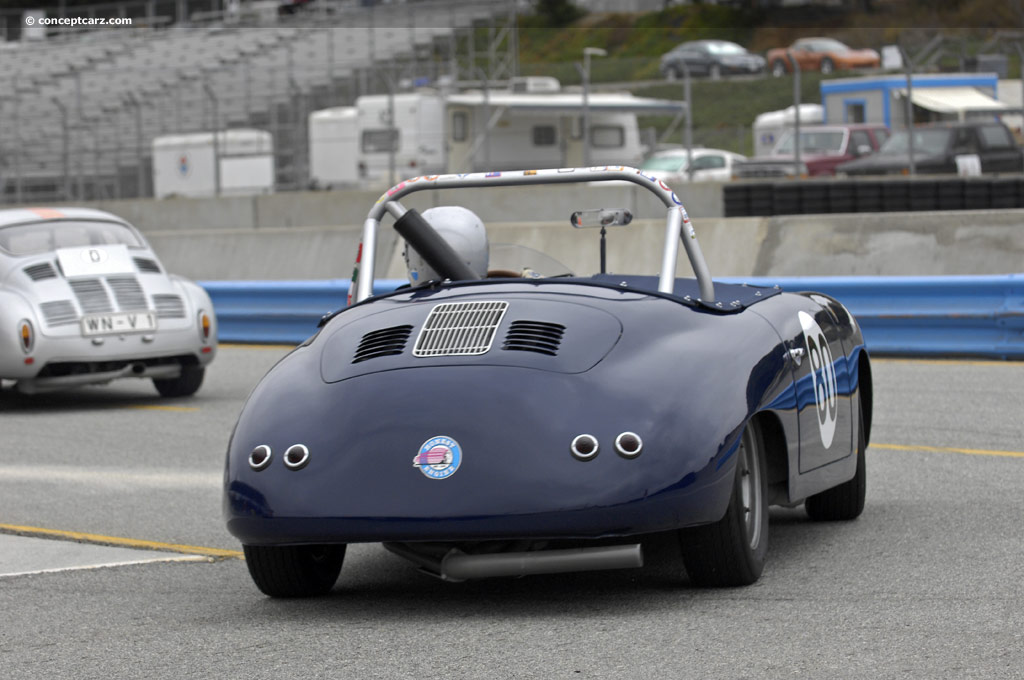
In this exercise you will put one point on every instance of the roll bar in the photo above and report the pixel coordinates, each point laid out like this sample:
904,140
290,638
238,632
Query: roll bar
674,223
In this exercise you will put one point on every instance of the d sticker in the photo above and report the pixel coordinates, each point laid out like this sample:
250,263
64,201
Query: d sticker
823,377
439,457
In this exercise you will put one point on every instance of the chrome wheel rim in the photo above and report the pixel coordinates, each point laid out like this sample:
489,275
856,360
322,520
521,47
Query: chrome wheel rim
750,488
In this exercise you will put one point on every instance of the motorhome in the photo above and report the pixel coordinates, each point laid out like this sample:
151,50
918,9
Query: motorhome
431,132
240,162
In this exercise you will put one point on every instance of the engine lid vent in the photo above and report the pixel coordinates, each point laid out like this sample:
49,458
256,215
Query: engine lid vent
459,329
146,265
169,306
43,270
128,293
92,296
59,313
382,343
542,337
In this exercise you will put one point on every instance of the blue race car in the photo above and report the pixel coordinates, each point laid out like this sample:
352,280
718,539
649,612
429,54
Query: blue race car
502,422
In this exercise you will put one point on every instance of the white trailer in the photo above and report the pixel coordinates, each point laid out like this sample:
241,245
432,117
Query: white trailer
426,132
769,126
334,147
242,162
408,126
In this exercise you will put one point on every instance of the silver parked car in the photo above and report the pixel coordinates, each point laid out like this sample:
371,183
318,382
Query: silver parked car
84,300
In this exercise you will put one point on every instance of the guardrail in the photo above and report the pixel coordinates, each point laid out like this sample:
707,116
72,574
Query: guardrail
899,315
269,312
926,315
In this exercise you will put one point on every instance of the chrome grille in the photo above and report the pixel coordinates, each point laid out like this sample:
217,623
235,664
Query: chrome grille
169,306
127,292
92,296
59,313
382,343
146,265
43,270
459,329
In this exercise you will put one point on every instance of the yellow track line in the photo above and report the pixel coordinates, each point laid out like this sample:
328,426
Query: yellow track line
947,362
243,345
154,407
99,539
944,449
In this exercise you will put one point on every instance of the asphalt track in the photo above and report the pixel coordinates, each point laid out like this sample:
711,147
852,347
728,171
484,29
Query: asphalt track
926,584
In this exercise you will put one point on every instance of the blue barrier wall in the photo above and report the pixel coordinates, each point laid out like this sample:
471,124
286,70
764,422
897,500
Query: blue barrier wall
927,315
278,311
899,315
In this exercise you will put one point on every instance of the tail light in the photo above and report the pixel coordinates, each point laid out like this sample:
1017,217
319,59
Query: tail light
26,335
205,326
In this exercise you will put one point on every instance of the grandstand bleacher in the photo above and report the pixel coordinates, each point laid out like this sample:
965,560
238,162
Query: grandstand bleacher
79,110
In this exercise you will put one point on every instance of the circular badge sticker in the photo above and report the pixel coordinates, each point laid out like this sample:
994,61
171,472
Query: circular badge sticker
439,457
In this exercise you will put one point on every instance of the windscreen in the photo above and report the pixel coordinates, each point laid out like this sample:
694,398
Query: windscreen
517,260
667,163
811,141
830,45
925,141
725,48
43,237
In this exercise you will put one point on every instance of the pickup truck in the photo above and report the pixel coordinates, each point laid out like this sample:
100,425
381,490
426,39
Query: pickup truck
968,148
822,148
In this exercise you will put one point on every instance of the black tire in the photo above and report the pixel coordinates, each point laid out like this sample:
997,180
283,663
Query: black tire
294,570
731,552
844,502
184,385
673,73
779,68
827,66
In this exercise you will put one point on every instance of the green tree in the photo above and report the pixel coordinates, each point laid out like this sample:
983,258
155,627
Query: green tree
558,13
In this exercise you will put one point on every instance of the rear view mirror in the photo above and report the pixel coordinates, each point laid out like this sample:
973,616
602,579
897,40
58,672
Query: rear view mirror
601,217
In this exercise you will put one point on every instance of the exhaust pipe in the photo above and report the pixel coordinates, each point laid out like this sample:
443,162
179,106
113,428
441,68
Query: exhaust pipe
456,565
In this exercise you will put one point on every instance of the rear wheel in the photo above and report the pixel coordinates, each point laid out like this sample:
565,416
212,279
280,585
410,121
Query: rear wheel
294,570
184,385
827,66
731,552
672,73
778,68
715,72
846,501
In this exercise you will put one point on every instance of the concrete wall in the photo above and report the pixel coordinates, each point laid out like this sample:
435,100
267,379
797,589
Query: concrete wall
315,235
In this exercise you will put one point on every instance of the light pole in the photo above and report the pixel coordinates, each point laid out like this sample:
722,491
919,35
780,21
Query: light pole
908,110
688,131
796,113
587,52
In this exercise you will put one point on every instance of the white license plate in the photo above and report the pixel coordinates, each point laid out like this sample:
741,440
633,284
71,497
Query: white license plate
117,323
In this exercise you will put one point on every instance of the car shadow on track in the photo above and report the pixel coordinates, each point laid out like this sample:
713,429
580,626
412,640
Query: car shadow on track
87,399
375,583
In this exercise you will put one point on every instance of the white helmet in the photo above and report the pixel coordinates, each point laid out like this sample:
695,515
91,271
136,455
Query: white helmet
463,231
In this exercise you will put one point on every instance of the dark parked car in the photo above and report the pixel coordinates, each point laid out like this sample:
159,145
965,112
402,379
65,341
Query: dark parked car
713,58
953,148
822,148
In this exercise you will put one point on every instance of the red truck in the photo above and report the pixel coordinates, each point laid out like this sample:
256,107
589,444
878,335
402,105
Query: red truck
822,148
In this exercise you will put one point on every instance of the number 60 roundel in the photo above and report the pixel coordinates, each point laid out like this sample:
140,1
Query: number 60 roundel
823,377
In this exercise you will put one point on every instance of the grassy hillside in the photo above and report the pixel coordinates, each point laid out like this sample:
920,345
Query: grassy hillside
723,110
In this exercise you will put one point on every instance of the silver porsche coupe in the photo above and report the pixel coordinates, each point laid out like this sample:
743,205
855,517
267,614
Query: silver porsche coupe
84,300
